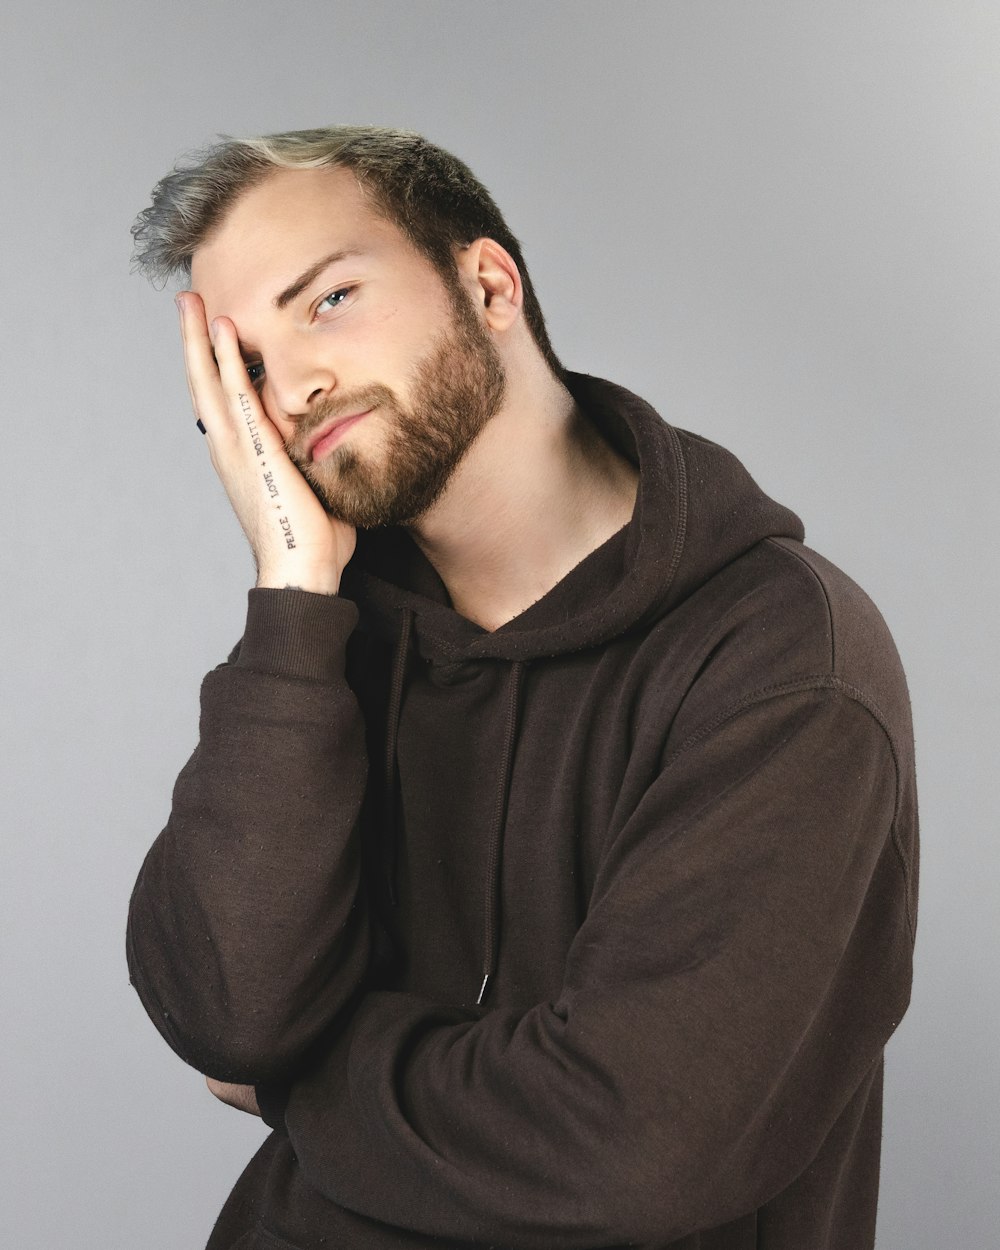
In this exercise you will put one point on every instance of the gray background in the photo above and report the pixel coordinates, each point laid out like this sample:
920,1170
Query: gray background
778,221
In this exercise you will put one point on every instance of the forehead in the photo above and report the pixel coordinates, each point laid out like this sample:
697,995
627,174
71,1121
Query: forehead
283,224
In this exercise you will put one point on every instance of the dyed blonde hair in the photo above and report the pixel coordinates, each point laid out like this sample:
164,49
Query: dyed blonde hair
428,194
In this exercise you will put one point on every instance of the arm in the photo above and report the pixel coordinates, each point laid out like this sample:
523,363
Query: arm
745,957
247,932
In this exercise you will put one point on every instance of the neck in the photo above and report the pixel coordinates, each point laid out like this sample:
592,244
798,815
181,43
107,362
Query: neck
537,492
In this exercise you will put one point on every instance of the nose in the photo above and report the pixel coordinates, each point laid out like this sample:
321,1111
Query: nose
298,378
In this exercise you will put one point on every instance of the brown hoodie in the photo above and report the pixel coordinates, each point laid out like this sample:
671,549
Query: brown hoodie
587,932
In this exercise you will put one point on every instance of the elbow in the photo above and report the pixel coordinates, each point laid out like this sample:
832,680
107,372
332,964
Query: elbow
240,1043
243,1012
243,1030
661,1176
247,1053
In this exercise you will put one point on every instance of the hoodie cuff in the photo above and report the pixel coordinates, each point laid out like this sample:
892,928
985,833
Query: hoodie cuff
272,1099
295,633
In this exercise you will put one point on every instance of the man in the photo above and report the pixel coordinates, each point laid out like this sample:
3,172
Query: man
545,871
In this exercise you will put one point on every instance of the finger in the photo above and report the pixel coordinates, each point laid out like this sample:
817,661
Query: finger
204,383
229,360
244,403
183,301
242,1097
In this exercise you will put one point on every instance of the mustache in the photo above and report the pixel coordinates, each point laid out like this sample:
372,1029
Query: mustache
335,406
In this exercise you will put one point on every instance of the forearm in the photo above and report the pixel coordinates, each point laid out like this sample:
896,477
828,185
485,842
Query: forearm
247,926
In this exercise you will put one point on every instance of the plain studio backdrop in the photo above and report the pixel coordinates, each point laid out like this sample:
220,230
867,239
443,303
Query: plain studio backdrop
778,221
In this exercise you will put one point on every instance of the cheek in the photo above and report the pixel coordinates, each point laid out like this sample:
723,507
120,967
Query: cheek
401,336
284,428
380,349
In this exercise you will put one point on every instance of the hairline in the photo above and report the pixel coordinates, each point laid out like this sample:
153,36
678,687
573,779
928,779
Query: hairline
447,269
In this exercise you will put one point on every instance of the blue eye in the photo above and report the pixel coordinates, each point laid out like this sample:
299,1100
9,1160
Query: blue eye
335,298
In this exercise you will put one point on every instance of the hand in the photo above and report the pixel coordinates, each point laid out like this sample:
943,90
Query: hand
295,542
242,1097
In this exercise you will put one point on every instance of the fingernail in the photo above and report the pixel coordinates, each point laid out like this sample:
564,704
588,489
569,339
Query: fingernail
213,329
200,426
179,301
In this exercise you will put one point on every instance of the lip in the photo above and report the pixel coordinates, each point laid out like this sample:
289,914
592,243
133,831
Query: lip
327,436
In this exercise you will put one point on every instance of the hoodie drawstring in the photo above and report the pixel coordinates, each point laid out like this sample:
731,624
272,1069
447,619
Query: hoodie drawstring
491,905
491,908
391,741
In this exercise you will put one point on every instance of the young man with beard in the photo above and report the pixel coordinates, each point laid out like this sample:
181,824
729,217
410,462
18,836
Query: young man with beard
545,871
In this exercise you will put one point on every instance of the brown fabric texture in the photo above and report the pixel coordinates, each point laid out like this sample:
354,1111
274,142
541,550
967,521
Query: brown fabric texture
584,933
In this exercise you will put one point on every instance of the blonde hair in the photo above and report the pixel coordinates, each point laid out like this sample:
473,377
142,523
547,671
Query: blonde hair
430,195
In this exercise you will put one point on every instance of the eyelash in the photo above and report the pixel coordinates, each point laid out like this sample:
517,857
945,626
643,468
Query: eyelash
343,290
257,379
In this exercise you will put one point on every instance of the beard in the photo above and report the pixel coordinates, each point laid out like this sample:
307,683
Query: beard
456,389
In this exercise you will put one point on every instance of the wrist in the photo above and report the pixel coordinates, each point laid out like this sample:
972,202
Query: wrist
296,634
315,581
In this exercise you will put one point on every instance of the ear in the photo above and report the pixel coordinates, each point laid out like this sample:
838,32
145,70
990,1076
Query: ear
493,280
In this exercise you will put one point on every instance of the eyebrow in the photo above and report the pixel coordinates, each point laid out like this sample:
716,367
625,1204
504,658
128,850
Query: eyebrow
308,275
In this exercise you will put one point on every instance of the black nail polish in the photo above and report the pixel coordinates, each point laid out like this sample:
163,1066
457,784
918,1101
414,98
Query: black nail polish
200,426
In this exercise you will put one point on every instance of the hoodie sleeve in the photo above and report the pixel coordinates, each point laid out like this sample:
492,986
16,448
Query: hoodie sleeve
745,957
247,933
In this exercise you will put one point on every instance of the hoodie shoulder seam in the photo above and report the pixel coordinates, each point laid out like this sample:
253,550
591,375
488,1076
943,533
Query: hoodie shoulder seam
800,559
815,684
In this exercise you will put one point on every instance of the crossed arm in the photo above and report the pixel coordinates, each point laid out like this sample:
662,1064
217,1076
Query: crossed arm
678,1079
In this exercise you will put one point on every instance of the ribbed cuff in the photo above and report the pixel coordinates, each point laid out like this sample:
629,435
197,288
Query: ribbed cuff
295,633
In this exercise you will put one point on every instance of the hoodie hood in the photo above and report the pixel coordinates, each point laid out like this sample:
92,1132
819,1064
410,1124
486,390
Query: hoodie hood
696,510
